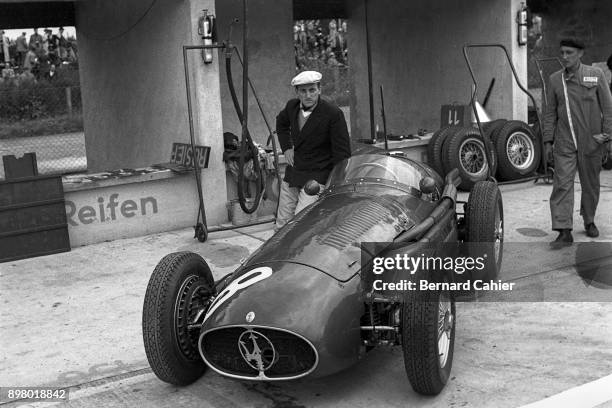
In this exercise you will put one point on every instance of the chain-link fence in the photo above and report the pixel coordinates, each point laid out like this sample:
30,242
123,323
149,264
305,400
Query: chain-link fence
41,112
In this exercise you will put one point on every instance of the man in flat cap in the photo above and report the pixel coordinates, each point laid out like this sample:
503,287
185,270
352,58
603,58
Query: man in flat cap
576,131
313,136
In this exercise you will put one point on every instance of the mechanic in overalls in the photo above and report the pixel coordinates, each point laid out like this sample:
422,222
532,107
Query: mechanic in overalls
313,136
576,131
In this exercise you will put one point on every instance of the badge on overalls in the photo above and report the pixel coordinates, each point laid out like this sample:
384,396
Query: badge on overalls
590,79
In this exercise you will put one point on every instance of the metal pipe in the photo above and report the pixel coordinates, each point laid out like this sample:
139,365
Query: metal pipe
233,227
369,62
387,328
518,82
384,119
201,208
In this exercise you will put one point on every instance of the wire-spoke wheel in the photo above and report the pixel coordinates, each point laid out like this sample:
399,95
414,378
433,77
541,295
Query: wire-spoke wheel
466,151
518,150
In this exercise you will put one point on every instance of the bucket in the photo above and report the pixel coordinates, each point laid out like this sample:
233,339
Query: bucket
237,216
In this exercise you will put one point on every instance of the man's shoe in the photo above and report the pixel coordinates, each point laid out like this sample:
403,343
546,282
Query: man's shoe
563,240
591,230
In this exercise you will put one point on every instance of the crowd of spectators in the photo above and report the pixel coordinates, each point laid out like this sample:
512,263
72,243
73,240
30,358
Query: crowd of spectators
320,41
38,57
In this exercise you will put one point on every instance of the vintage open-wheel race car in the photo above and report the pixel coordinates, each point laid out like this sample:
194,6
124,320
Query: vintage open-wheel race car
298,306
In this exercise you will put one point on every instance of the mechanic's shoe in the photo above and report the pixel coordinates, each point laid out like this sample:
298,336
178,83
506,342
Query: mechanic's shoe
563,240
591,230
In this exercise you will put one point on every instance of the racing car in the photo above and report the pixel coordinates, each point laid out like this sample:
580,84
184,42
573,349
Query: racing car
300,306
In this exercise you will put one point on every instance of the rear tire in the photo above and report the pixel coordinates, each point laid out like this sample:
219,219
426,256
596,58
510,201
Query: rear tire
491,129
180,285
485,226
428,339
435,146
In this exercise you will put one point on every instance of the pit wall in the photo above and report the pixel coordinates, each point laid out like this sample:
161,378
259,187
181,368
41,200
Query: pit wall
134,97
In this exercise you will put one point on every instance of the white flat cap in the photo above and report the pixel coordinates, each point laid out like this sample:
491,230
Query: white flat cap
306,77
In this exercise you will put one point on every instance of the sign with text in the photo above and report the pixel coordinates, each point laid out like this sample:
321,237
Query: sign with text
183,154
455,115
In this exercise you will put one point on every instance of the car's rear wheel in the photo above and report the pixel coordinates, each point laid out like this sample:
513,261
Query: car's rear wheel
466,151
181,286
491,128
485,226
435,145
428,339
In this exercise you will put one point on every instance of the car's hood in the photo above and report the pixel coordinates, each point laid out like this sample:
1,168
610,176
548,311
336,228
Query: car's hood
327,235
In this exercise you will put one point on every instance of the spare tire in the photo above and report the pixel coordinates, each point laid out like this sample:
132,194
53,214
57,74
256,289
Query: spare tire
491,129
518,150
465,150
434,148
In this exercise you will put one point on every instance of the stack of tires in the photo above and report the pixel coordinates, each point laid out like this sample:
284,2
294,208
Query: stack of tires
513,149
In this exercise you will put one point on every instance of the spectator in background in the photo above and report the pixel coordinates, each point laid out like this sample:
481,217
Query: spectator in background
51,73
53,47
45,41
345,42
311,39
30,60
22,49
36,40
5,56
334,41
8,73
71,55
62,44
609,64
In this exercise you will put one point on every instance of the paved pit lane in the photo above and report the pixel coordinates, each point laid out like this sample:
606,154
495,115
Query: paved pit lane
73,320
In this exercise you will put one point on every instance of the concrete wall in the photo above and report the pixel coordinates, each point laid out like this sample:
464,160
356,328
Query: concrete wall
271,61
134,99
417,57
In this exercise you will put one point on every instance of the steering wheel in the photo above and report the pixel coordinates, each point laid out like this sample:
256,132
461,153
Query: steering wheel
386,169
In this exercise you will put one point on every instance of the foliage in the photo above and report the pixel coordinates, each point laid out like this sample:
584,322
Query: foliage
25,98
41,127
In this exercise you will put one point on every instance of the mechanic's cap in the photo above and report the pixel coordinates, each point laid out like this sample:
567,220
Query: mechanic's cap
306,77
573,42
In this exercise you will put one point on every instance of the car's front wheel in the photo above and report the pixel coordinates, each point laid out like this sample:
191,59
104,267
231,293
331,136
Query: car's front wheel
181,286
428,339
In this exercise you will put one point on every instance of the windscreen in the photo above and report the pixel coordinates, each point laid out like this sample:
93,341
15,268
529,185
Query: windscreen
376,167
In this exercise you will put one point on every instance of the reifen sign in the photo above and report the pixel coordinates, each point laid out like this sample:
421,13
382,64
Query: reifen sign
184,155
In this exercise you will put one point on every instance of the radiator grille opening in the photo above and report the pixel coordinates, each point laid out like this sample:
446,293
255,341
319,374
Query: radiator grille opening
256,352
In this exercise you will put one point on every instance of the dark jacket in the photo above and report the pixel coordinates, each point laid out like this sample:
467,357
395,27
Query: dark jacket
322,142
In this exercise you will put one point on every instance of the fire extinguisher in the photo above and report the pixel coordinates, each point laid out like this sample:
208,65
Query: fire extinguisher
207,30
522,20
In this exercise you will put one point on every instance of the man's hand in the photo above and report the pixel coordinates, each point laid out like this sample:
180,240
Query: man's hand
289,156
601,137
548,154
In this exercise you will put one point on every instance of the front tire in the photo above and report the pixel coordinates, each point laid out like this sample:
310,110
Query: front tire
428,339
180,285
